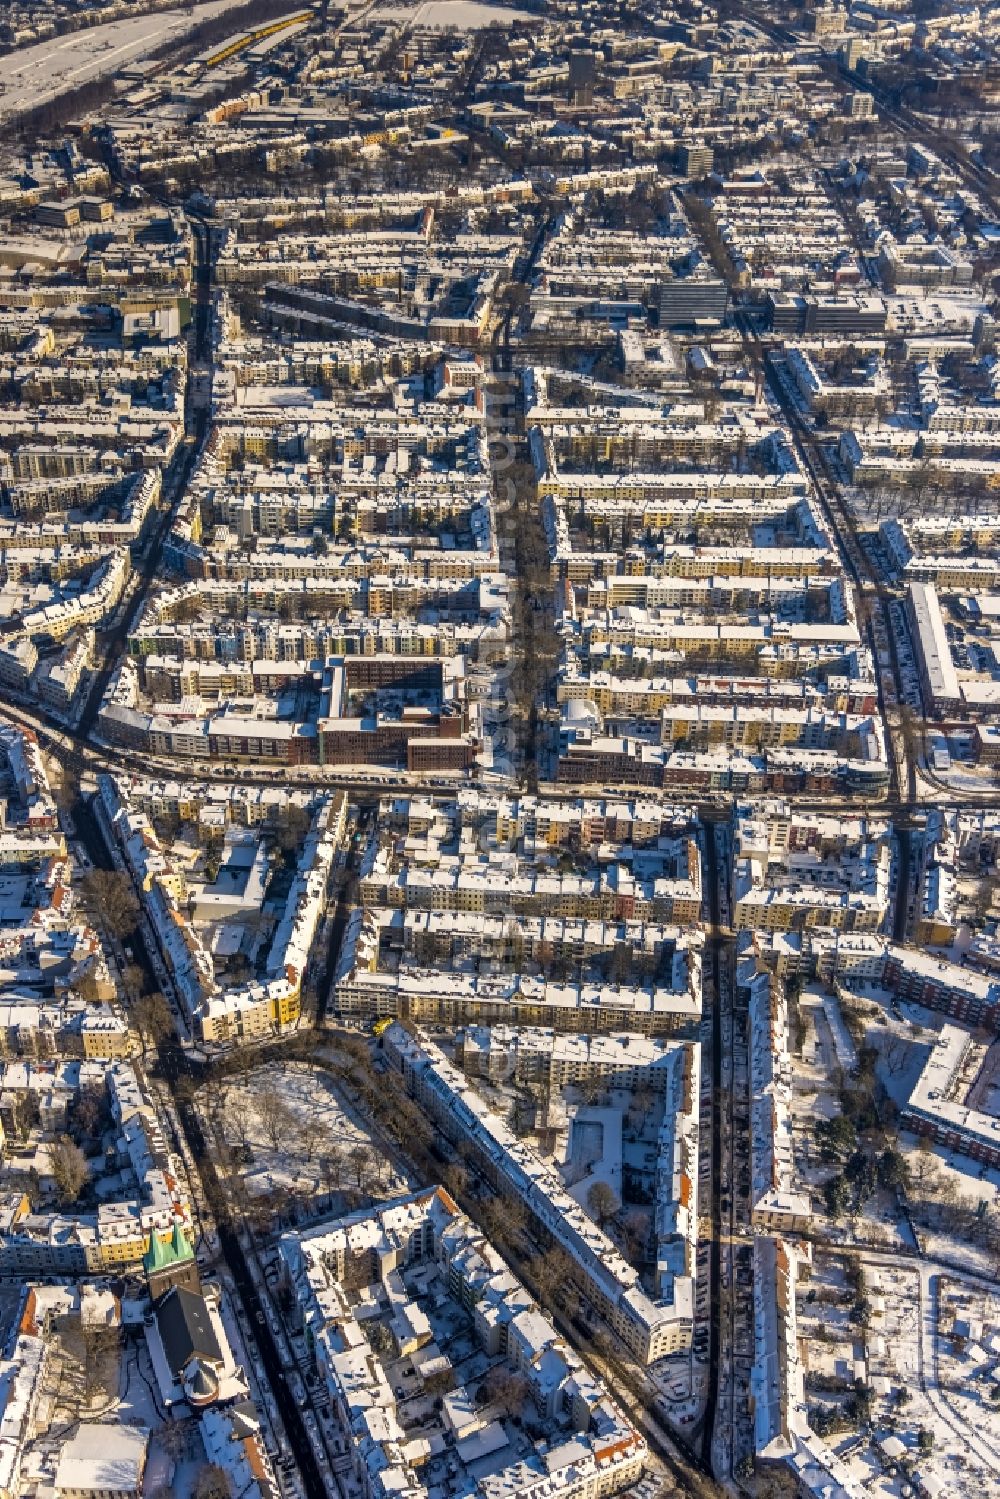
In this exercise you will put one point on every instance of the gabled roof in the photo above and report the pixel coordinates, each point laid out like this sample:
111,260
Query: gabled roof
186,1330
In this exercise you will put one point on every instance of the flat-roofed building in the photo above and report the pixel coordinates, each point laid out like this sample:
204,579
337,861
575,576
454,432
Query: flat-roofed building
938,676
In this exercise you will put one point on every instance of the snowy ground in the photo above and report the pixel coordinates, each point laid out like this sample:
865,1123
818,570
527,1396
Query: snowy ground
945,1190
901,1360
467,15
814,1092
113,1381
968,1353
34,74
974,779
933,1391
299,1136
904,1043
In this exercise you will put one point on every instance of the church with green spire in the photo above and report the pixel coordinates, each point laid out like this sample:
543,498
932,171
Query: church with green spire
170,1262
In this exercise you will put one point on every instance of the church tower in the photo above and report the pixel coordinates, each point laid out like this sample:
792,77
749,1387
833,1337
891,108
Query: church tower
170,1262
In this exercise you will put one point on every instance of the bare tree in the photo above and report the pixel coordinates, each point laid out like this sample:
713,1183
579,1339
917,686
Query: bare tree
173,1437
591,1088
895,1052
153,1018
551,1273
109,894
70,1170
505,1389
309,1132
332,1167
100,1351
292,830
360,1157
26,1112
455,1178
212,1482
635,1228
946,1191
90,1109
134,980
644,1098
602,1202
274,1115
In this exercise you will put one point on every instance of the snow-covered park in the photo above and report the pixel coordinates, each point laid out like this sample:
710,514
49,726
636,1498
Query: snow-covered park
291,1134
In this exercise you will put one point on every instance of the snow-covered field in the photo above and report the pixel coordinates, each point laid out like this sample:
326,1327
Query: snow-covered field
34,74
467,15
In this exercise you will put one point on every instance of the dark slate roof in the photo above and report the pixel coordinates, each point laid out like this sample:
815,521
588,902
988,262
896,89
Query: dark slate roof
244,1417
185,1329
201,1383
